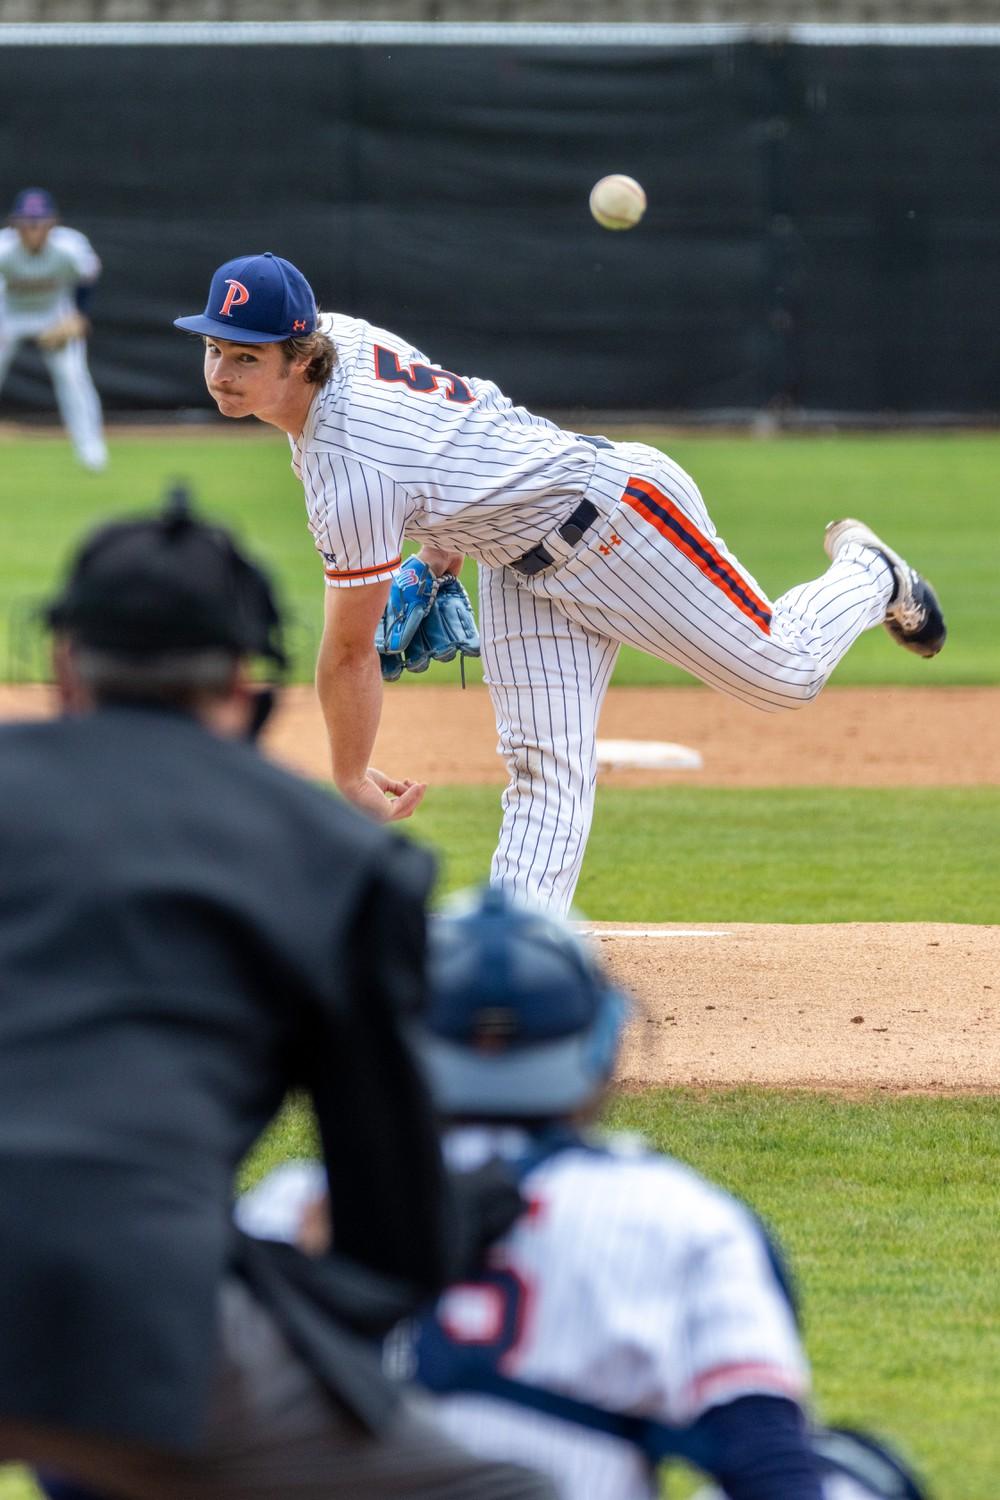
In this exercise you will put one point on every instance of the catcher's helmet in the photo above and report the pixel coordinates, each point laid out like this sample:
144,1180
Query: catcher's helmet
167,583
521,1022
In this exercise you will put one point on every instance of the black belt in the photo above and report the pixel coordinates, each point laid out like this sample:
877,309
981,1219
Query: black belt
571,531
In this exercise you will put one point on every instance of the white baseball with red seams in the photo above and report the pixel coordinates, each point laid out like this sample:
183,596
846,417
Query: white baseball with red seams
617,202
397,447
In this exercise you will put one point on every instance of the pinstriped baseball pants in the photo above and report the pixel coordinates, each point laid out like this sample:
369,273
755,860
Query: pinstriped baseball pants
650,572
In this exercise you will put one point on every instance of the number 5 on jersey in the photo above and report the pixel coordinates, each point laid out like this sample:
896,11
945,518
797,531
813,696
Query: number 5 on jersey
420,377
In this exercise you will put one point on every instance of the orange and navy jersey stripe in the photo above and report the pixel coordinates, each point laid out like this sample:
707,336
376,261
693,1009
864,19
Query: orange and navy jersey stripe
660,511
338,573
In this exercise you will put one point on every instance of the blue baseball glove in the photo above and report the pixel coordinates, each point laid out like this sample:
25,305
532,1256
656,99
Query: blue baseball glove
425,619
410,597
453,609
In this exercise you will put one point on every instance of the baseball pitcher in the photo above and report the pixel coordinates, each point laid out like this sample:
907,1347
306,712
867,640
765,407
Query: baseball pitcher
583,545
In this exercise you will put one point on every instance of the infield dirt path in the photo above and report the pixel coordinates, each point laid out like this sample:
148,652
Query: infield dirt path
897,1007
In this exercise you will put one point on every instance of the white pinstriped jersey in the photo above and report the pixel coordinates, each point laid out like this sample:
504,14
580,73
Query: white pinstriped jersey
43,284
397,447
632,1284
394,446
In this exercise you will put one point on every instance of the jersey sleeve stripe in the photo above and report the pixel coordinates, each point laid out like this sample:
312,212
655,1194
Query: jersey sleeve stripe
363,572
748,1377
660,511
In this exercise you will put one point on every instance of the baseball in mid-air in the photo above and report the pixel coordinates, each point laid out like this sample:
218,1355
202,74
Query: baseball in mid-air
617,202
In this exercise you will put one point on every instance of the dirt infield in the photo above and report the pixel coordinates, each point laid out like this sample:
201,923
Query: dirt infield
848,737
892,1006
895,1007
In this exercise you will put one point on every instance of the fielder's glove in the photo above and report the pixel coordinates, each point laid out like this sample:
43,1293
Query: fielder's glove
73,326
425,619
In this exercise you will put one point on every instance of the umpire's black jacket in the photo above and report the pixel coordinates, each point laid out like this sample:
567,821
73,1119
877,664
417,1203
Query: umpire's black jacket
186,931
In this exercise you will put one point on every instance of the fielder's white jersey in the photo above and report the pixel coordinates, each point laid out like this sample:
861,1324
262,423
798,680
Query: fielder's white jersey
43,284
396,446
632,1285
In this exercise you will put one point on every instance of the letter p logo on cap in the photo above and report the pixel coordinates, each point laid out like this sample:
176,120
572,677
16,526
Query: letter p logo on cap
255,299
235,297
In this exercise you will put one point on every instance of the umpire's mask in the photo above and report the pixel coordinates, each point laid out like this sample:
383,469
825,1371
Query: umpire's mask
169,587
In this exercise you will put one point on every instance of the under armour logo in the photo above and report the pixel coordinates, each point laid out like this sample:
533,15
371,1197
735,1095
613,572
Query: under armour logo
235,297
299,325
616,541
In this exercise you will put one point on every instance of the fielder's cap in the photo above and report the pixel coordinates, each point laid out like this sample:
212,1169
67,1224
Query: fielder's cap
256,299
520,1021
167,583
34,203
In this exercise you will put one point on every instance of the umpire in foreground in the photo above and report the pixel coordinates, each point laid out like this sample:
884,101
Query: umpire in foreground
186,932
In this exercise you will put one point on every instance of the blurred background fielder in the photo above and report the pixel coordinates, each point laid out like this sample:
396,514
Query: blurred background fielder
47,275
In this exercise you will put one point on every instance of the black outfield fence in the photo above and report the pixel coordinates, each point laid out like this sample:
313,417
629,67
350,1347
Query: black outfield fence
822,233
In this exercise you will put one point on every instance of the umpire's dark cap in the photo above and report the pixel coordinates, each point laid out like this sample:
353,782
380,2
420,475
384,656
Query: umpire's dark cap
521,1021
167,583
256,299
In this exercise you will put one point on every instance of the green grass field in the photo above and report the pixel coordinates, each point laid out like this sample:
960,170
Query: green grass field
800,854
887,1206
933,495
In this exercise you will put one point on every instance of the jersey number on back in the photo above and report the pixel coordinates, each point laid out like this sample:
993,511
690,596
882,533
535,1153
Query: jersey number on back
477,1327
423,378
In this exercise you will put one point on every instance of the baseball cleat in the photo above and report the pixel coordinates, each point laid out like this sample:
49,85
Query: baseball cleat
913,617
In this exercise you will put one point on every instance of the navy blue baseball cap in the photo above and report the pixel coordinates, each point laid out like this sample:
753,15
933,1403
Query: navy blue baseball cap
256,299
34,203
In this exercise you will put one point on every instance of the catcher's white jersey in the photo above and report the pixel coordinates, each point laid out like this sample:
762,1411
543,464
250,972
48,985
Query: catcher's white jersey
631,1285
42,285
273,1209
395,447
